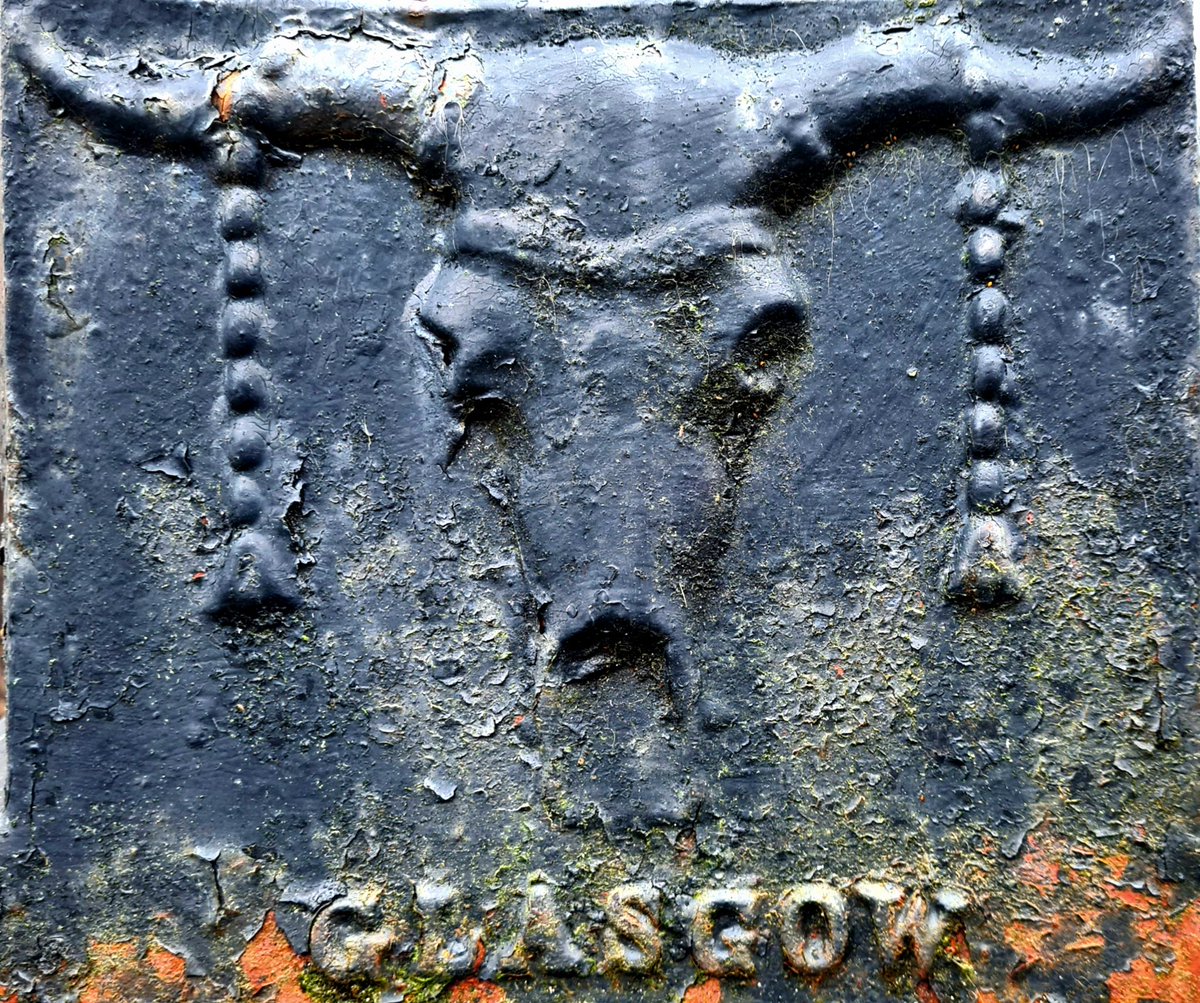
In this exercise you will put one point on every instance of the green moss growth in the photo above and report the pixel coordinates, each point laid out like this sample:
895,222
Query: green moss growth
321,989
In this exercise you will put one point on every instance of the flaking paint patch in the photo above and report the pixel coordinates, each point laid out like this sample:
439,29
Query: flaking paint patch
1069,921
169,968
1037,868
461,77
708,991
1028,939
119,972
1176,980
269,963
477,991
222,98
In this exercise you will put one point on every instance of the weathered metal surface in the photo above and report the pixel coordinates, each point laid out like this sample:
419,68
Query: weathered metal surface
660,502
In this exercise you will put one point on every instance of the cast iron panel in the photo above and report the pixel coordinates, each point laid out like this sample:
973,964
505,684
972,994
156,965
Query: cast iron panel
513,501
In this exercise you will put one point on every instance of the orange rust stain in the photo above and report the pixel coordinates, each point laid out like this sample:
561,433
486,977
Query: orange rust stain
925,993
709,991
222,98
268,962
1079,876
119,972
1134,900
109,966
986,996
1151,931
112,953
1037,868
1091,942
1117,864
168,968
477,991
1028,939
1180,983
958,948
7,995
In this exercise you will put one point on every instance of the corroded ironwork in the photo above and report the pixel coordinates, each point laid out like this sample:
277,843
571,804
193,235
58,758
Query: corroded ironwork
590,537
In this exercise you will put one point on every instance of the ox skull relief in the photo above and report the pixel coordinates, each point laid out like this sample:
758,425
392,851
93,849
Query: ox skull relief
687,452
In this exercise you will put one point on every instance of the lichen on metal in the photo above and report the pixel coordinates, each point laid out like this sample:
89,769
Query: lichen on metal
668,501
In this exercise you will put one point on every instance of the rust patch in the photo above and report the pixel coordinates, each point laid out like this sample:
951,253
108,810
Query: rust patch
1088,942
1028,938
477,991
118,972
958,949
1076,890
269,963
222,98
926,993
1133,900
1038,868
1179,981
708,991
168,967
1117,864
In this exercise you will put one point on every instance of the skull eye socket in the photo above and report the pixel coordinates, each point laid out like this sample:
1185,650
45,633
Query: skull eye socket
482,383
485,387
737,396
489,407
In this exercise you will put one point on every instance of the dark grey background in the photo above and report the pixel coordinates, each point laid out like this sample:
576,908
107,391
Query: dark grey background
852,721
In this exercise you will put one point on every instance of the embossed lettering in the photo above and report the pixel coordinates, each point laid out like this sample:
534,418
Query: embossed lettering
905,922
723,931
545,941
631,941
349,938
815,927
440,953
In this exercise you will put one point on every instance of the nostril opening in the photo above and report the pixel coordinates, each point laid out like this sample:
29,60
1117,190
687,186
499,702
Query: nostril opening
610,644
438,338
484,406
487,417
775,332
762,384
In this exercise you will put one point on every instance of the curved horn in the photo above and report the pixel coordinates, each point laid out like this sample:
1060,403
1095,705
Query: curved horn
1008,95
899,79
305,91
175,108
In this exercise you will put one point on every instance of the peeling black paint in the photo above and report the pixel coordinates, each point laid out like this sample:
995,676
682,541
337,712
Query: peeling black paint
599,461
